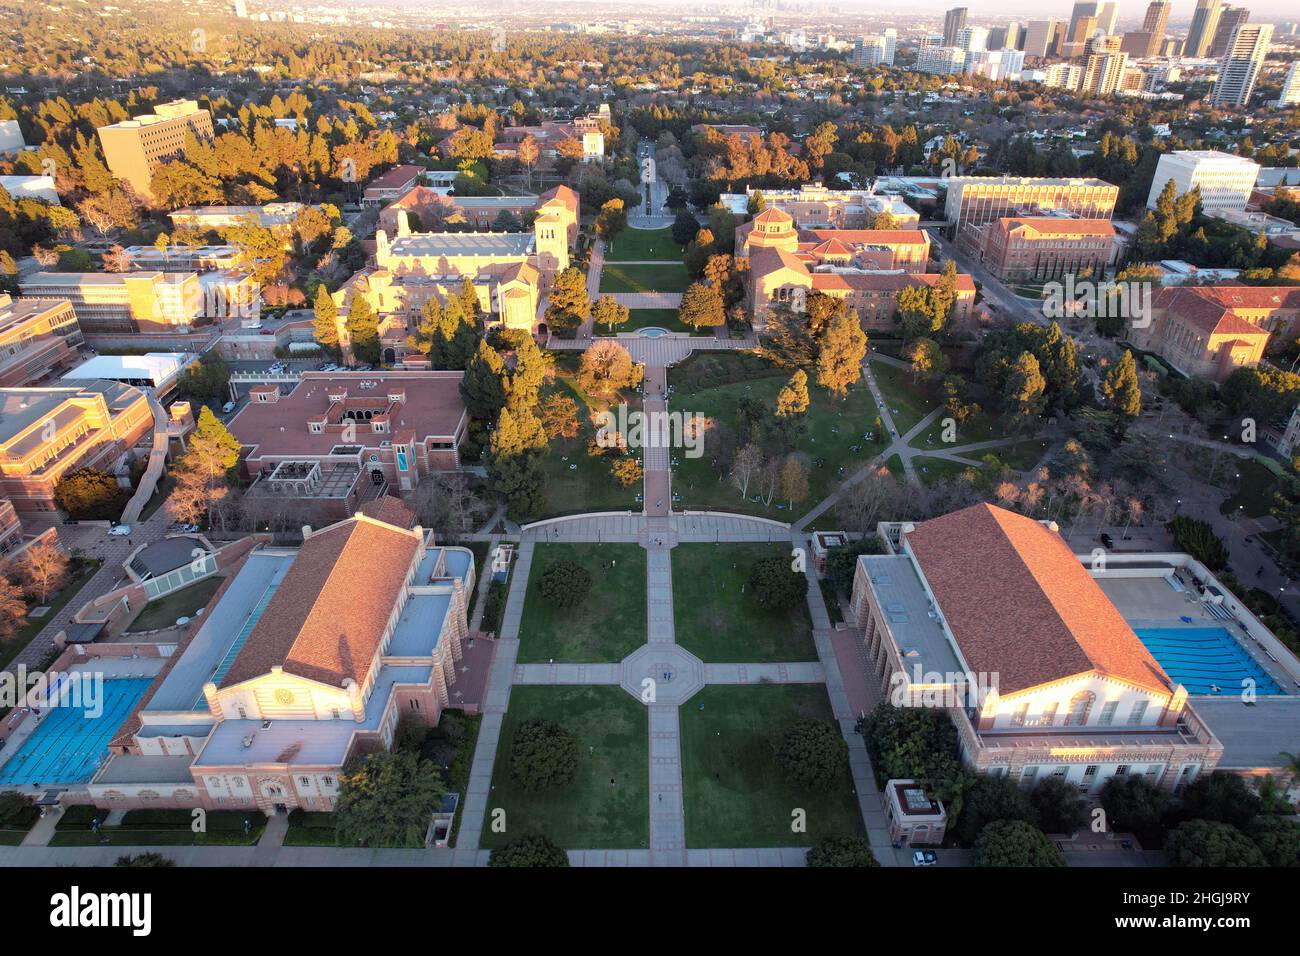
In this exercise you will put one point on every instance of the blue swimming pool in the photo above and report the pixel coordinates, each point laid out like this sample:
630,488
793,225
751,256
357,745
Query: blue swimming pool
1205,658
69,746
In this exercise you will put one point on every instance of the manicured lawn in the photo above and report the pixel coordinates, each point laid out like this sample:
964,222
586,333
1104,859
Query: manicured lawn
934,470
1254,492
667,277
643,244
607,805
835,445
912,401
576,481
23,636
608,625
736,794
980,427
165,611
648,318
1021,456
718,622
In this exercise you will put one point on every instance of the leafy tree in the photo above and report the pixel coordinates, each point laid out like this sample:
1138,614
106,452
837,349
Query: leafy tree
559,415
884,220
916,743
775,586
534,851
208,379
1198,539
1120,387
607,368
385,800
608,312
843,347
1015,843
1199,843
841,851
1058,806
988,800
813,754
564,583
1278,838
1134,805
1222,797
1267,393
568,296
203,472
793,397
702,306
90,494
787,341
627,471
611,220
543,755
794,480
842,562
685,226
13,806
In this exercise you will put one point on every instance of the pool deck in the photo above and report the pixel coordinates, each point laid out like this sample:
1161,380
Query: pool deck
1151,602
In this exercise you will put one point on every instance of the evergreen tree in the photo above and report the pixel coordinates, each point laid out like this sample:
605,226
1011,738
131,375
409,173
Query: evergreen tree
363,328
702,306
1121,388
326,329
483,388
793,397
843,347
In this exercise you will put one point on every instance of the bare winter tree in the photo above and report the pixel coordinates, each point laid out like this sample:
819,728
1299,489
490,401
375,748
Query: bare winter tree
450,504
43,569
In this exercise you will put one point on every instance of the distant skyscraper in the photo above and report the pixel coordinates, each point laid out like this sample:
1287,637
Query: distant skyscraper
1015,36
1107,14
1155,23
1241,64
1039,36
1229,20
953,21
1080,12
1204,22
1290,87
971,39
891,45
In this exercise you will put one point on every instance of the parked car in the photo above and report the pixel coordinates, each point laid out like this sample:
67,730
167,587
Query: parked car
120,530
924,858
228,407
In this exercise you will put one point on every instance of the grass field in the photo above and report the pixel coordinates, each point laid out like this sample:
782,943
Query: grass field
980,427
736,794
718,623
665,277
934,470
648,318
608,805
159,828
908,402
835,429
1254,489
607,626
575,481
643,244
183,603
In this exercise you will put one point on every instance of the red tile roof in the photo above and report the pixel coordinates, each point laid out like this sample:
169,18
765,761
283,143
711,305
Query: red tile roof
328,616
868,237
1022,606
1054,226
1206,310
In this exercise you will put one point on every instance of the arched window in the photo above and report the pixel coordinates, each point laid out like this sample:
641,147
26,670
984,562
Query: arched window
1080,704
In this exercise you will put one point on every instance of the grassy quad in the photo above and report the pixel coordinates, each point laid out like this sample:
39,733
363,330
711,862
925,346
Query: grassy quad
648,318
913,400
607,805
643,245
834,428
660,277
576,481
931,471
735,792
607,626
719,623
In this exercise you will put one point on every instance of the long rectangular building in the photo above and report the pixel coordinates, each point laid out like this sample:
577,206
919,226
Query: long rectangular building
975,200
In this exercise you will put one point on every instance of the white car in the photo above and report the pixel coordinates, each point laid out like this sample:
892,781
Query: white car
120,530
924,858
228,407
